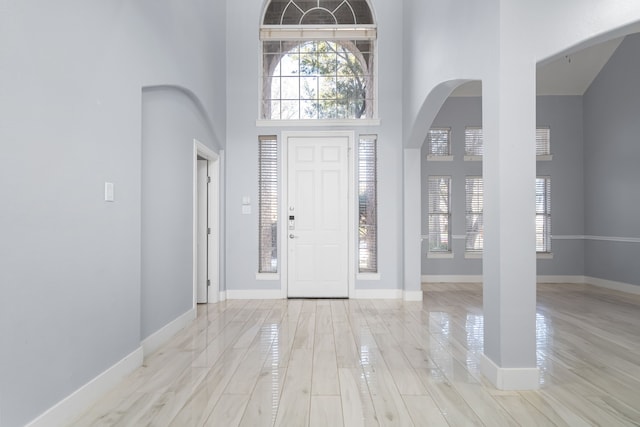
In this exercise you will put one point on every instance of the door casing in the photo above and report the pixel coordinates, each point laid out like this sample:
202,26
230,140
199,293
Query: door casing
202,240
213,256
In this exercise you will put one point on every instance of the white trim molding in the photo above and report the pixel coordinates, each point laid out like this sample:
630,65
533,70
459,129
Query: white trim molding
597,238
318,32
575,280
470,278
614,239
358,294
453,237
254,294
368,276
213,220
158,338
213,295
570,279
614,286
268,276
509,378
413,295
473,255
434,158
440,255
263,123
378,294
77,402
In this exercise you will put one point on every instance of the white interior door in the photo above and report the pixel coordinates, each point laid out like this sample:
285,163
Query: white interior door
318,216
202,232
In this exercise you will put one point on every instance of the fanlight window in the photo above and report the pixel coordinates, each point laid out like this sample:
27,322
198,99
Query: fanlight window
317,60
317,12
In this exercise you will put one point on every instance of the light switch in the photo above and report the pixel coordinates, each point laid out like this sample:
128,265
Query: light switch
246,209
246,200
108,192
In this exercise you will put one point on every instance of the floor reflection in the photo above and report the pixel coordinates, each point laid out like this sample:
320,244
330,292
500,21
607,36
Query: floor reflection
386,362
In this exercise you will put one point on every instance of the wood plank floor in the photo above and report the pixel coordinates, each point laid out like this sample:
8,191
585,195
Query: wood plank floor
384,362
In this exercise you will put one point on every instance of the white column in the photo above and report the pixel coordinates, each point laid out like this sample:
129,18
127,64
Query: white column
509,259
412,229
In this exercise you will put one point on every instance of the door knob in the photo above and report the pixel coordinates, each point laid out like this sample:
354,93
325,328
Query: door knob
291,236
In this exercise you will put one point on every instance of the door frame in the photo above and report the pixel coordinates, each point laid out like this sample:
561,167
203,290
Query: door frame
213,213
351,200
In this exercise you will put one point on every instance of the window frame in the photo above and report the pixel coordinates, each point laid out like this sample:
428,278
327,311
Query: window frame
470,156
443,215
543,143
471,211
304,33
368,168
545,214
431,156
268,160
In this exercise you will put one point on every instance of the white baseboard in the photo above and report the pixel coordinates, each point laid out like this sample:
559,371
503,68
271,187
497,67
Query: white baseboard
213,296
254,294
576,280
155,340
378,294
471,278
413,295
475,278
509,378
223,296
359,294
615,286
77,402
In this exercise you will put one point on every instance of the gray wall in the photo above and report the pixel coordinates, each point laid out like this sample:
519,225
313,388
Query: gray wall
612,153
72,74
171,119
563,114
242,143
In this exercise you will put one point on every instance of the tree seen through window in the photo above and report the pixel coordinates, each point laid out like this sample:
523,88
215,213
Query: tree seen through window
317,80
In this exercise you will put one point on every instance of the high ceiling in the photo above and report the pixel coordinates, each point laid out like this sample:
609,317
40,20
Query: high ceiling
568,75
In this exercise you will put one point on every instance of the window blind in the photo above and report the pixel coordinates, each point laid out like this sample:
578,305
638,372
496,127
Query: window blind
439,201
439,142
367,205
543,141
543,214
474,211
473,145
268,204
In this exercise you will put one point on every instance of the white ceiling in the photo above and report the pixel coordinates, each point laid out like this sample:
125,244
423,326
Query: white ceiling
568,75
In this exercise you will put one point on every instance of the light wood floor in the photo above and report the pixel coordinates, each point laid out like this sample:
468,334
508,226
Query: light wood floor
374,362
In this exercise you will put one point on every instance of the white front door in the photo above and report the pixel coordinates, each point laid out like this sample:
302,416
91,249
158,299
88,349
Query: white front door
317,216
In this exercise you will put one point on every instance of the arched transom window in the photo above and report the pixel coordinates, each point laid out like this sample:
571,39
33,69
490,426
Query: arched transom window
317,60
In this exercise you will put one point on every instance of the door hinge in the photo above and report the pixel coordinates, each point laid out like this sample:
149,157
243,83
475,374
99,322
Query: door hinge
208,231
208,180
208,282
